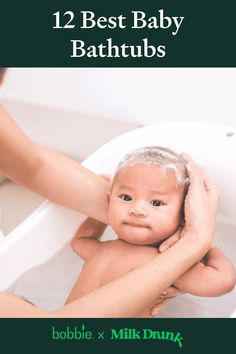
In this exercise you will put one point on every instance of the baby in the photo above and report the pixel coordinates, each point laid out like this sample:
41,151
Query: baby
146,206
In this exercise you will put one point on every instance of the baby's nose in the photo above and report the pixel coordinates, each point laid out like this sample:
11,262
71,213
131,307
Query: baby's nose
137,211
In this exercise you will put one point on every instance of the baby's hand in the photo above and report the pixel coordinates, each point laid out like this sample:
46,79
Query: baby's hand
163,298
171,240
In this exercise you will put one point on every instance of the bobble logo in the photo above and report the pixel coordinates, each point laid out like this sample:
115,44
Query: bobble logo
72,333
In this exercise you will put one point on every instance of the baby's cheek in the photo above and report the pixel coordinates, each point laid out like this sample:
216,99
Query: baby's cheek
115,216
166,222
174,222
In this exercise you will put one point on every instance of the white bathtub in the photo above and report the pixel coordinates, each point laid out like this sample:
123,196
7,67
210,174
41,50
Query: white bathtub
43,237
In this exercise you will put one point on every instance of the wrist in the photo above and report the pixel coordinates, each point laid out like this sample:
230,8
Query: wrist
200,240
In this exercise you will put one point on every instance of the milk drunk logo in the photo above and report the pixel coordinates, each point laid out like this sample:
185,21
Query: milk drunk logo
135,20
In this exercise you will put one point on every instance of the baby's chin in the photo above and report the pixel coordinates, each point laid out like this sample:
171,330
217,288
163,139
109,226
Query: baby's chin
137,235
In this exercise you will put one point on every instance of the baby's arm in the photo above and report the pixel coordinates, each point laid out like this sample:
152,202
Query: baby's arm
86,240
214,276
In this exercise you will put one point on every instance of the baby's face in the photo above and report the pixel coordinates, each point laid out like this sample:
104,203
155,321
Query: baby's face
145,204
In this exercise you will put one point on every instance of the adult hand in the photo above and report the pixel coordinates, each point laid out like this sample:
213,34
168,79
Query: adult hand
107,177
201,202
200,207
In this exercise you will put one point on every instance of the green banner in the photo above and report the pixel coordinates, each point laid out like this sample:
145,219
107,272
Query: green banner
122,34
120,335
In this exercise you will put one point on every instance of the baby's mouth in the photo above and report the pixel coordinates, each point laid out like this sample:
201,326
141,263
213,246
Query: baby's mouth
136,224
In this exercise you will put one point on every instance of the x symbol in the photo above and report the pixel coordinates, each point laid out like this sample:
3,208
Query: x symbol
101,335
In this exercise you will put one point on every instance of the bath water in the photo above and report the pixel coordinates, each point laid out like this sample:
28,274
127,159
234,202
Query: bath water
48,285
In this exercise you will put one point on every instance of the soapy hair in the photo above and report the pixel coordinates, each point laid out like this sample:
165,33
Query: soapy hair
162,156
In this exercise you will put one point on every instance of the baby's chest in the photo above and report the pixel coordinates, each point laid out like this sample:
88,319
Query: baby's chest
123,260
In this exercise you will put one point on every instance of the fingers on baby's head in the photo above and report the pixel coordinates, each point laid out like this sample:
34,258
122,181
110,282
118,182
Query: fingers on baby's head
107,177
192,167
190,163
198,175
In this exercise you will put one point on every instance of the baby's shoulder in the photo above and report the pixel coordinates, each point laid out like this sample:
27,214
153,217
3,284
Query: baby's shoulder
130,252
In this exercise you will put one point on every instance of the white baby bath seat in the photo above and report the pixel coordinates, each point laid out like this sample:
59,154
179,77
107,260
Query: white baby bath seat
38,238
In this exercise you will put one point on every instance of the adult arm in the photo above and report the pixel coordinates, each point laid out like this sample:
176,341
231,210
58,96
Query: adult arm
50,174
86,241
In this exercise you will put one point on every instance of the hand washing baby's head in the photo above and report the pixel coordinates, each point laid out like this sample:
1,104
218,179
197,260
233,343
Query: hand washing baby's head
147,195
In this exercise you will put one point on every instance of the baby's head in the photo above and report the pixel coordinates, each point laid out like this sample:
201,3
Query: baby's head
147,195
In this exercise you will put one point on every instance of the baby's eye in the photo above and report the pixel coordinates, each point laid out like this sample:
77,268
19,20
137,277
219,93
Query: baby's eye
125,197
156,203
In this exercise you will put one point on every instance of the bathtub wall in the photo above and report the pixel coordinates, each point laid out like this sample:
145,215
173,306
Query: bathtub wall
139,96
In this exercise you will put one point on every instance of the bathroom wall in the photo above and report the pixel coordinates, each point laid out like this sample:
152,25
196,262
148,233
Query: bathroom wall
140,96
